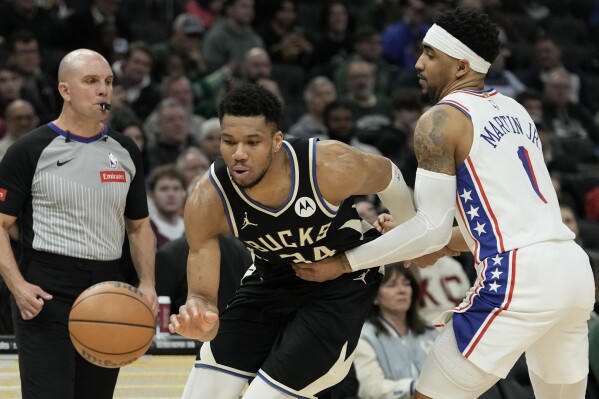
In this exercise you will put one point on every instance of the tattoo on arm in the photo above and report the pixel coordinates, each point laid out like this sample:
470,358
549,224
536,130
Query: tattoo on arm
430,143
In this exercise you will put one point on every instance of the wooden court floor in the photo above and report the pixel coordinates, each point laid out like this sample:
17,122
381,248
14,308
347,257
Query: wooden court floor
152,376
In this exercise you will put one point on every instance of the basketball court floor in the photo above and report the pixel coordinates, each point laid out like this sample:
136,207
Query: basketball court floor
152,376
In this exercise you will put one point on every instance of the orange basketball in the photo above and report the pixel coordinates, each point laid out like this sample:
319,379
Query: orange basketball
111,325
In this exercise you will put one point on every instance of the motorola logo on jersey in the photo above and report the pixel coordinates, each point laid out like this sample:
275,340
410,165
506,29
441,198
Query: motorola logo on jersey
2,194
112,176
305,207
112,160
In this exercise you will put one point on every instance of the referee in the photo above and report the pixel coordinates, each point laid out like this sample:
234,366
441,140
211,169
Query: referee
76,186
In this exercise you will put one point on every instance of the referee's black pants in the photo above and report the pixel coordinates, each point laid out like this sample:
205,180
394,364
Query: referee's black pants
49,365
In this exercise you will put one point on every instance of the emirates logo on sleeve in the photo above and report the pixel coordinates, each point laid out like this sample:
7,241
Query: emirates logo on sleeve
3,193
113,176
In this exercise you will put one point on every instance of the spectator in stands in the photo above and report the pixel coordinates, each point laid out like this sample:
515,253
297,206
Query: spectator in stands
442,286
256,65
591,205
335,42
565,118
406,108
500,78
178,88
17,15
564,196
401,41
232,36
556,158
532,101
319,92
86,28
173,133
284,39
339,121
367,47
185,46
395,339
207,11
11,87
381,14
132,73
20,119
571,220
39,87
209,139
549,58
166,189
372,112
192,163
135,132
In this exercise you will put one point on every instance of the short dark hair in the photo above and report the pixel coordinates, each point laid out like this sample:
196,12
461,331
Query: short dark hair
529,95
406,98
252,100
139,45
20,36
332,106
167,171
472,28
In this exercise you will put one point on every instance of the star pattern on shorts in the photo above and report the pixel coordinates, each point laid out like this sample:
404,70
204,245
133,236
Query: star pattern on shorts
496,273
466,195
497,260
494,286
480,228
473,212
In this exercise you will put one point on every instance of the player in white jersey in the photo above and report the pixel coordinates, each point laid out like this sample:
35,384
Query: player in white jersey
480,160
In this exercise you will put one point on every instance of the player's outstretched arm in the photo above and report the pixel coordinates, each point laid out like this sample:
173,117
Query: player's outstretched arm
343,171
204,221
435,140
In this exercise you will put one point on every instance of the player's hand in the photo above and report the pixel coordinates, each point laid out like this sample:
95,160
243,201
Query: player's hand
149,293
430,259
30,299
324,270
197,319
384,223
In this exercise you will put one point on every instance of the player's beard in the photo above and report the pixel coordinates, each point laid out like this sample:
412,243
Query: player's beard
260,176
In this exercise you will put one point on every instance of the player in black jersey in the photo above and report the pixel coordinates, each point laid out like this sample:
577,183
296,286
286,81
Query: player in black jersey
289,202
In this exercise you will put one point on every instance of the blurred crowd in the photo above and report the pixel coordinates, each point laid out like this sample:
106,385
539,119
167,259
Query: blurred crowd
344,70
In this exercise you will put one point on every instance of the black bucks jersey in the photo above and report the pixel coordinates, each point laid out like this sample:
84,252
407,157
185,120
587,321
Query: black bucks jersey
305,228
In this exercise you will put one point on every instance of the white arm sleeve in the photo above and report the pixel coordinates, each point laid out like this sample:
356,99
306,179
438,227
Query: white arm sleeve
426,232
397,197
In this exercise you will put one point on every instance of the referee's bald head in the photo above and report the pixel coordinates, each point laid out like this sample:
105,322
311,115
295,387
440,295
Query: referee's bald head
76,60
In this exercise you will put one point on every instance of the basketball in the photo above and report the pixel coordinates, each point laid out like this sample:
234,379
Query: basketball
111,325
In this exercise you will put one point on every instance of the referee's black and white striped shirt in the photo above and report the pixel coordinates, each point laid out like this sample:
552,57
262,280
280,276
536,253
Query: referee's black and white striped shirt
71,192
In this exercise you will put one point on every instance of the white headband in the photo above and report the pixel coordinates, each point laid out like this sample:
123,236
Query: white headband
442,40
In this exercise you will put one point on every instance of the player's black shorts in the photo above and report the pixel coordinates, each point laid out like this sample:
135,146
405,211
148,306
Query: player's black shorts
293,330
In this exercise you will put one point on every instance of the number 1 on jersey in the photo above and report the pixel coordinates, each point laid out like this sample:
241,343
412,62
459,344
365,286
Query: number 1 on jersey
525,159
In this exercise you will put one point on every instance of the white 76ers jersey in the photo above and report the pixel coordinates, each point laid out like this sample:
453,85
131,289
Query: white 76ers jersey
505,198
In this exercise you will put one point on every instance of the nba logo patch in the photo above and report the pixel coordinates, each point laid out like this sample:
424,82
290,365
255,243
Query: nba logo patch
3,193
112,160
